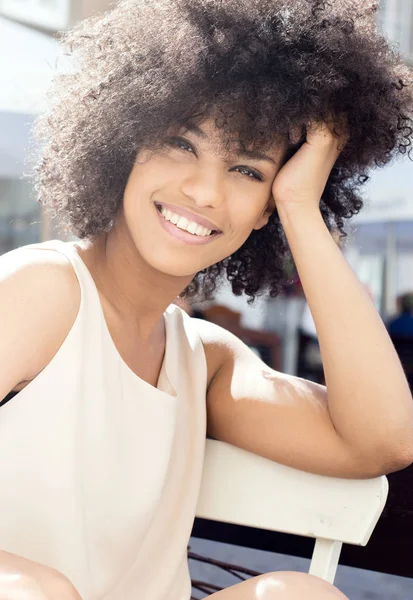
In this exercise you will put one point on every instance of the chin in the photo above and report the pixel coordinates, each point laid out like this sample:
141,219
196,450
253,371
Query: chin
173,260
174,266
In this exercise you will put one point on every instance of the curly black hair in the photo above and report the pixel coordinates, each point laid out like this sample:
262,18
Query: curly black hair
261,68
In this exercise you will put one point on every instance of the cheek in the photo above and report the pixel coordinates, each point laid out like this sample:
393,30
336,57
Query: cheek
247,211
144,180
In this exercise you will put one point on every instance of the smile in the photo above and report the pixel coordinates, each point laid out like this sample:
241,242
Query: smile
183,229
183,223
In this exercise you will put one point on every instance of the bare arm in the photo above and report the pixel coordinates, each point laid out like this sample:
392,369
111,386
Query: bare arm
369,401
282,417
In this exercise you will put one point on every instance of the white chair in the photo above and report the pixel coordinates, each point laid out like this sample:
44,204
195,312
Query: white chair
245,489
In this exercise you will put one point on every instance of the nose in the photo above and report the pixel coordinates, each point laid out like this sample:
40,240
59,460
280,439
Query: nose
205,187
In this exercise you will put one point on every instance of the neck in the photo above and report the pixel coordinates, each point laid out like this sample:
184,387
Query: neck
137,293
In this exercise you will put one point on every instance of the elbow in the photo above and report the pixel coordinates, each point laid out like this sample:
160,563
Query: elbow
390,460
395,452
405,458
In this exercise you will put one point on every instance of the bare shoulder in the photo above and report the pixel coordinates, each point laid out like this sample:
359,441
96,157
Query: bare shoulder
221,346
39,302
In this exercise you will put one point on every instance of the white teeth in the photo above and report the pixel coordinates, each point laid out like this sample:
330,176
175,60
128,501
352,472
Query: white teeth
192,227
184,224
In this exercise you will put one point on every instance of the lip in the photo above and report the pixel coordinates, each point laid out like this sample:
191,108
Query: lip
183,236
183,212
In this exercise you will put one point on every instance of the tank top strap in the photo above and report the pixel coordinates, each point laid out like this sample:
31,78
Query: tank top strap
90,310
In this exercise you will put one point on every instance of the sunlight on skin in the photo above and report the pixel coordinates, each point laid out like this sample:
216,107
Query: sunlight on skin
10,577
293,585
273,387
269,586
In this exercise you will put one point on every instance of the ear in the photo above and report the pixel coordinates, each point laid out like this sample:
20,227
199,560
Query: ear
266,214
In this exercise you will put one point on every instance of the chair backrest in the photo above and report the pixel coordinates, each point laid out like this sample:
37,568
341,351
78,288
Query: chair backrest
245,489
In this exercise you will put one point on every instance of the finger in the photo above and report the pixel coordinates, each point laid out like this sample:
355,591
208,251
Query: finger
314,165
323,135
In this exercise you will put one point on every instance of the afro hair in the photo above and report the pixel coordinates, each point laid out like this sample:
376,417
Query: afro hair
261,68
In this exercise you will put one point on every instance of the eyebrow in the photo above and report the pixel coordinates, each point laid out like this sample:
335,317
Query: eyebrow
252,154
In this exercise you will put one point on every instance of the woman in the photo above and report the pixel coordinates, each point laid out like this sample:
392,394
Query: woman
192,138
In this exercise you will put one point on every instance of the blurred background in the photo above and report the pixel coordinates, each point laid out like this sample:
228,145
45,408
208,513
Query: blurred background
379,245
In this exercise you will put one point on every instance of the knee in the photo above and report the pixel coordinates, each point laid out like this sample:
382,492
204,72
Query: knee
292,585
17,584
34,583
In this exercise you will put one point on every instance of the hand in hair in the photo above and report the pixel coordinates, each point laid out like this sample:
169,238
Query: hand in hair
301,181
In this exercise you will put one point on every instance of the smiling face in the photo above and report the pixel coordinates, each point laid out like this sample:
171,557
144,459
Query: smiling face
191,204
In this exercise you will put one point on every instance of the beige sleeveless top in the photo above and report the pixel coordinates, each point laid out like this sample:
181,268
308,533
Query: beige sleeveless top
99,470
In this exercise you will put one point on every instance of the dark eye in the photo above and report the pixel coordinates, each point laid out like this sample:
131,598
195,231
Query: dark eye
178,142
252,174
